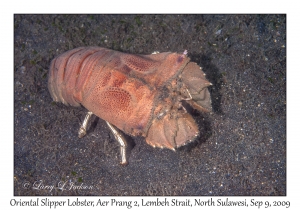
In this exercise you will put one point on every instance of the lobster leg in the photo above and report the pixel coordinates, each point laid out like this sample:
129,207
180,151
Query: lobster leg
116,132
82,129
122,141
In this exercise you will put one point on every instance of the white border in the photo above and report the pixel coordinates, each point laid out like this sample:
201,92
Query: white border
216,6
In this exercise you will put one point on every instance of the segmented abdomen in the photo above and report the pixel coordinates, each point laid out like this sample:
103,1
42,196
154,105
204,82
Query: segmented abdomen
71,71
102,82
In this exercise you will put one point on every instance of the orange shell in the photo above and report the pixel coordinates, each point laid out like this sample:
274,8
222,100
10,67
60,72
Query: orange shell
139,94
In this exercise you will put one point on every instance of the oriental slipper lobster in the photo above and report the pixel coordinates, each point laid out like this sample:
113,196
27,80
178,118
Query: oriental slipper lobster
140,95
